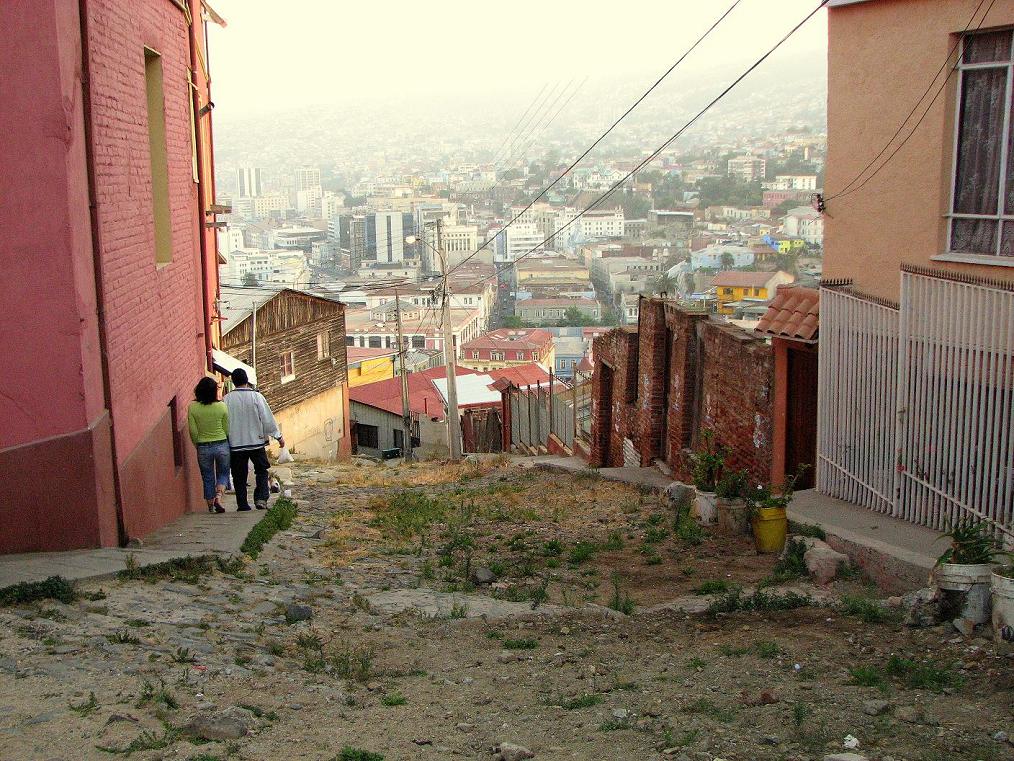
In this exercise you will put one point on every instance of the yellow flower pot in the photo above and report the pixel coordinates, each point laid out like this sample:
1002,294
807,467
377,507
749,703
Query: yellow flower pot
770,526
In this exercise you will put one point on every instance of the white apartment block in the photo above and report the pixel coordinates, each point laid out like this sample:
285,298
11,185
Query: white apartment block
747,168
307,177
519,240
260,207
605,223
230,239
390,237
308,201
275,266
792,182
806,223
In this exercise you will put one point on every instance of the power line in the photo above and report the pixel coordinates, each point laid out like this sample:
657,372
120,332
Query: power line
531,120
848,189
536,129
662,147
613,126
513,129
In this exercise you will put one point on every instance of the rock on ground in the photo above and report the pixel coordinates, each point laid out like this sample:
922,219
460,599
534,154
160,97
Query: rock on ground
822,562
511,752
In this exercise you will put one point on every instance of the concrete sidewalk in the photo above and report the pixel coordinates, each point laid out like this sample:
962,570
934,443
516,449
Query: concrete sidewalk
190,535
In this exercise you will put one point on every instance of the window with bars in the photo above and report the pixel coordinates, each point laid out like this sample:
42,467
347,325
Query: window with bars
982,202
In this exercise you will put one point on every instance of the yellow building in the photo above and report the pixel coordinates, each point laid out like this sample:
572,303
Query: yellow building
551,270
736,285
370,365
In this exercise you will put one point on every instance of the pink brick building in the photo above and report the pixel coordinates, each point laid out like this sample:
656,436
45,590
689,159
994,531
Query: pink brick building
109,268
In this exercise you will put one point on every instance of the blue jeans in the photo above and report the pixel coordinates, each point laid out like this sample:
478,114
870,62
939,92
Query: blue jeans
213,458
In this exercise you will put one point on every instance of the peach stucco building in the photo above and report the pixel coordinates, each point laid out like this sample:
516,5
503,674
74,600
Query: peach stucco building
109,267
916,340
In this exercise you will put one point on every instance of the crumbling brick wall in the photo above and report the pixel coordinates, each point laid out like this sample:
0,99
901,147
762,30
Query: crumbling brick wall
679,374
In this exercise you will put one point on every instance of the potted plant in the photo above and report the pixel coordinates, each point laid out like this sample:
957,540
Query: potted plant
730,502
1002,584
706,467
963,572
766,506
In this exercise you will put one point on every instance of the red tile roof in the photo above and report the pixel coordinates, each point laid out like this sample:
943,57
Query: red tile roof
423,397
794,313
520,375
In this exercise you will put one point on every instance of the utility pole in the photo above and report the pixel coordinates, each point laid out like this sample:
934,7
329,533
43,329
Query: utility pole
406,413
453,421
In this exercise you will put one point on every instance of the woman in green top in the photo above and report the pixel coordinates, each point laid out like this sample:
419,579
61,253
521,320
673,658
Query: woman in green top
208,420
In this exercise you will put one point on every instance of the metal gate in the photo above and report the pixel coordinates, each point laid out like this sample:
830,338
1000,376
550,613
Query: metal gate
858,371
916,403
540,411
956,381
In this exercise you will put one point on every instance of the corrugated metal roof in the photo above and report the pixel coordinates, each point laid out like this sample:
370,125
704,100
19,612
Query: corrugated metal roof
794,313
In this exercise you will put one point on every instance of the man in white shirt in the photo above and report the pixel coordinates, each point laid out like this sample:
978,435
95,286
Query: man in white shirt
251,424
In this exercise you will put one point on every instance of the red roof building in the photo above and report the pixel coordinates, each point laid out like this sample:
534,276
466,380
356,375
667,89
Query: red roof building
508,346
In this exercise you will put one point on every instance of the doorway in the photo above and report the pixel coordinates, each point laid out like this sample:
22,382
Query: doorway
606,415
801,414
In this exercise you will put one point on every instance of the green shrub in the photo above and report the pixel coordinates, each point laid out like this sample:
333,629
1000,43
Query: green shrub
53,588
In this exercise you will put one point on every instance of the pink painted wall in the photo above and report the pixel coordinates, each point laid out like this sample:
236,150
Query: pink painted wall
154,314
52,380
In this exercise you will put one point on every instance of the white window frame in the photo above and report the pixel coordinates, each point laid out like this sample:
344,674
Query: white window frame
496,356
291,376
1000,218
323,346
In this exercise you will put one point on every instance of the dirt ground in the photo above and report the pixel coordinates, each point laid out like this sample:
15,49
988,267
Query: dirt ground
434,611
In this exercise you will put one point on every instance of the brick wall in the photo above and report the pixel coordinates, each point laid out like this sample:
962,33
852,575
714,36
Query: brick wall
153,314
719,378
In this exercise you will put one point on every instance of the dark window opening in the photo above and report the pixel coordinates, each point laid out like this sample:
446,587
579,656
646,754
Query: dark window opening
368,436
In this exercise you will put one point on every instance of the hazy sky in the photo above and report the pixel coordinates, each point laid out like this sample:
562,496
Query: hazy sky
274,55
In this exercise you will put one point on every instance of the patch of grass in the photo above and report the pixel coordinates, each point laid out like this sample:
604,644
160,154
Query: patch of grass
86,708
188,570
123,637
393,699
458,610
655,534
791,565
278,517
357,754
614,541
581,701
807,529
620,601
146,741
921,676
766,649
581,552
276,649
687,530
553,548
183,655
760,600
355,663
520,644
732,651
161,695
426,572
705,707
138,623
614,725
53,588
870,611
259,712
697,664
309,641
800,713
868,676
715,587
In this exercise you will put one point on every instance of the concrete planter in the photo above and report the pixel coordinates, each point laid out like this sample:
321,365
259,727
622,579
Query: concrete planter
733,515
965,591
1003,612
705,508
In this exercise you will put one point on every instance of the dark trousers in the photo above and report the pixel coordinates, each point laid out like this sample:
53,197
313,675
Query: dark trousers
238,460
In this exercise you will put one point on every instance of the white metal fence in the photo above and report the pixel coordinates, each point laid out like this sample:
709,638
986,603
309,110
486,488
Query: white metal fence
916,404
858,368
956,443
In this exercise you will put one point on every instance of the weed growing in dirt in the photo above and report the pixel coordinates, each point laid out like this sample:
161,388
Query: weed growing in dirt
620,601
426,572
458,610
581,701
553,548
188,570
614,541
791,565
766,649
614,725
705,707
355,663
697,664
87,707
921,676
758,601
868,610
733,651
123,637
715,587
276,649
655,534
393,699
800,713
55,588
868,676
183,655
807,529
161,695
357,754
687,530
147,740
581,552
259,712
520,644
278,517
309,641
408,514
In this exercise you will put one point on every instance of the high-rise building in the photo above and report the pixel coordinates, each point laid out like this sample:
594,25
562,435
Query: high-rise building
357,241
248,181
390,236
307,178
